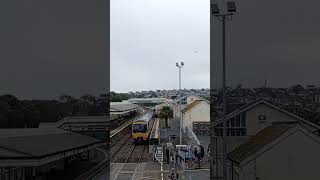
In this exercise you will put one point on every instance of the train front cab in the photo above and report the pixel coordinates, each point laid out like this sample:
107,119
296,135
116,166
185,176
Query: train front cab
140,133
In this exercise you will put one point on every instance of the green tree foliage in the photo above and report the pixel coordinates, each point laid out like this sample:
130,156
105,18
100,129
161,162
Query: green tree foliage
118,97
165,113
15,113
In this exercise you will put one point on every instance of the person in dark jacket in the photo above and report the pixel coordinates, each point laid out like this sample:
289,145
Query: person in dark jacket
167,155
201,152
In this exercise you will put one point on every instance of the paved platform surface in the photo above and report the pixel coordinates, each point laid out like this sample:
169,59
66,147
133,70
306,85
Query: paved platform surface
151,170
174,128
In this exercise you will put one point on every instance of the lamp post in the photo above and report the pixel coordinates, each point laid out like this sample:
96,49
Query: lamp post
180,113
223,17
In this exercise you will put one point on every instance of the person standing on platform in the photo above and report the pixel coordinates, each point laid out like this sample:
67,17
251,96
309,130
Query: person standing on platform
167,155
173,175
201,152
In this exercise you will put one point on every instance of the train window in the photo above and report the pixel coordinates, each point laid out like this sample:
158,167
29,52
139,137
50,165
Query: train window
139,128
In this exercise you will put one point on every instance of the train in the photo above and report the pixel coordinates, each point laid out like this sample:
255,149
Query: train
142,127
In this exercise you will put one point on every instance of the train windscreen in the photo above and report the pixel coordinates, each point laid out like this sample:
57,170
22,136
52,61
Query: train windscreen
139,128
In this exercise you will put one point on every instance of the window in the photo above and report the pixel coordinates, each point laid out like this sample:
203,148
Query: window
235,127
228,123
243,120
228,132
218,132
233,124
139,128
238,133
233,133
244,132
237,121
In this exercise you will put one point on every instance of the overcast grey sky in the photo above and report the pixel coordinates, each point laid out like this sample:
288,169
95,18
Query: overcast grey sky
49,48
273,40
149,36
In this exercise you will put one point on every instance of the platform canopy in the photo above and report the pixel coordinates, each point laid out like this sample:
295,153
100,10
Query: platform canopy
38,146
118,108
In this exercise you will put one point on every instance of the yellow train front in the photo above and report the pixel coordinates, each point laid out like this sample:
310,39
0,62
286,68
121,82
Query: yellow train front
141,127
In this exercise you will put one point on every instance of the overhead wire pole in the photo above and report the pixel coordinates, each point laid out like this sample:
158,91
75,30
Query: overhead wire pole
180,113
225,173
231,7
180,105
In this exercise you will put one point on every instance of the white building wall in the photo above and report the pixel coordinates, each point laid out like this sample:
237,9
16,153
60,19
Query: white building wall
295,158
254,125
199,113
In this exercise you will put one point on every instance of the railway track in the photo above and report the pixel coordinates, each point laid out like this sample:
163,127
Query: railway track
122,150
136,154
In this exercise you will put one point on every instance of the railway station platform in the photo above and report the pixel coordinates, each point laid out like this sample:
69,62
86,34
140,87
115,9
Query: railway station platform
174,125
35,152
151,170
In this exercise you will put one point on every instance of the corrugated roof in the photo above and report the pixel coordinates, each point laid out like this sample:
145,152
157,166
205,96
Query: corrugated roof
40,142
258,141
123,107
191,105
78,119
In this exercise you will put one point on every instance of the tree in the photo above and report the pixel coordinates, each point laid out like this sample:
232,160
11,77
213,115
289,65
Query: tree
165,113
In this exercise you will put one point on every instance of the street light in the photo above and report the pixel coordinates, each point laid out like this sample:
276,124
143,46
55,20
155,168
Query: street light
223,17
179,67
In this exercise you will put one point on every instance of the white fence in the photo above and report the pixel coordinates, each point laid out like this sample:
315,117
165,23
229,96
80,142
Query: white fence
192,136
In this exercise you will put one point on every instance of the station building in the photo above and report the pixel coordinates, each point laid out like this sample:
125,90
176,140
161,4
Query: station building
148,101
32,153
196,117
95,126
266,142
185,101
120,112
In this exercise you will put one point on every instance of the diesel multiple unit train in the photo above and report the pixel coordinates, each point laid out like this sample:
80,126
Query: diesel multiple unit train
142,127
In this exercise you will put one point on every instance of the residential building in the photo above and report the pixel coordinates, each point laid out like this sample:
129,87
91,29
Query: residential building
196,117
279,151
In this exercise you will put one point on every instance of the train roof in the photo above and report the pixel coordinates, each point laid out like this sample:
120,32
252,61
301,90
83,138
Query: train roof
145,117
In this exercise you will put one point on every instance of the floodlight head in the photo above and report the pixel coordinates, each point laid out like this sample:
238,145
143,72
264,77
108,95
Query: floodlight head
177,64
182,63
231,5
215,8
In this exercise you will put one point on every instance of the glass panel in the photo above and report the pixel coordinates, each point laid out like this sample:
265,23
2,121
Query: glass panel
233,122
139,128
243,120
237,121
228,132
243,133
238,133
233,133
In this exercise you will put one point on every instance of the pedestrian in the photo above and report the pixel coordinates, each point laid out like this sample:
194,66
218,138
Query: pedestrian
167,155
196,153
201,152
192,151
174,175
209,149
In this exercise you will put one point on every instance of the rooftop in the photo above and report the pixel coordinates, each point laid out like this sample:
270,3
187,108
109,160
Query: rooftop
122,106
191,105
40,142
258,141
